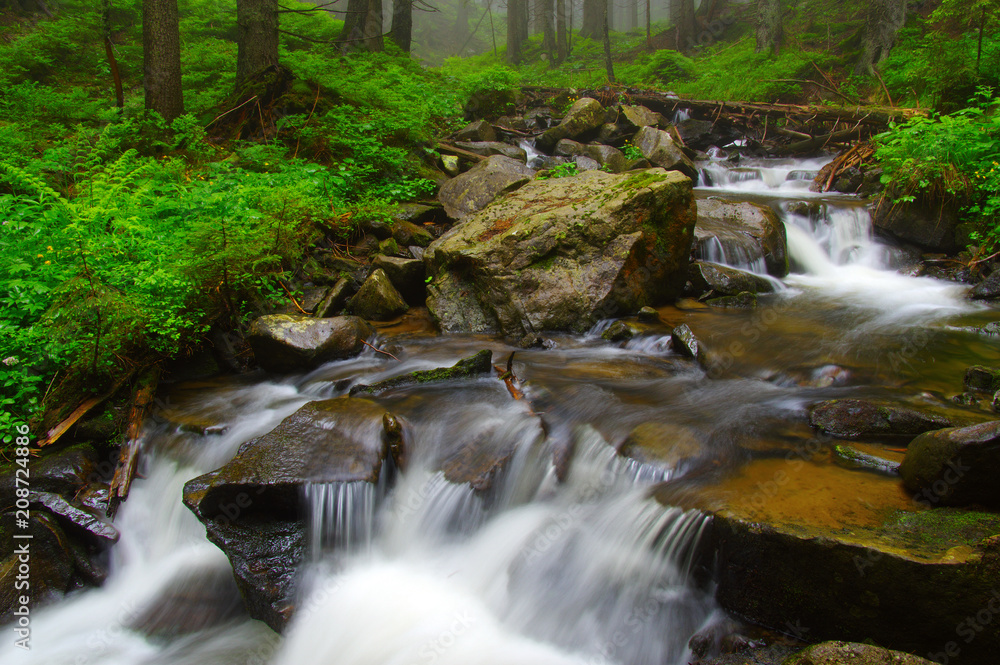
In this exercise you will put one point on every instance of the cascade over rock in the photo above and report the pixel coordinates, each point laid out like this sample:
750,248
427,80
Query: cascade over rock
744,232
561,254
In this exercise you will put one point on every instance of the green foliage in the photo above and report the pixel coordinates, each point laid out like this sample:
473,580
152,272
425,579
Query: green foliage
950,156
564,170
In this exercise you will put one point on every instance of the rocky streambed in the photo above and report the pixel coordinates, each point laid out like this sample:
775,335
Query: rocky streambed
608,416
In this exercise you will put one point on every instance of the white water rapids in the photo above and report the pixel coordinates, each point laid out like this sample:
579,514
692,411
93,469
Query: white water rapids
588,570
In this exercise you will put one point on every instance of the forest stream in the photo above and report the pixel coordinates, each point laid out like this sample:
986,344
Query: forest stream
574,553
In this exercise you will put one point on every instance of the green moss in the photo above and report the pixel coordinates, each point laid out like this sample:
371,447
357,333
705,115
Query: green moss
475,365
941,529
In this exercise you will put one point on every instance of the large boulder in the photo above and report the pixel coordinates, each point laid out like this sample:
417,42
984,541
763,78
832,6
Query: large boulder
286,343
640,116
377,299
741,234
476,188
480,130
561,254
584,116
926,224
955,466
853,653
659,148
859,418
988,289
252,506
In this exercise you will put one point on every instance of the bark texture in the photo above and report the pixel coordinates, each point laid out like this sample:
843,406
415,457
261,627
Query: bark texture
883,19
769,30
256,37
161,58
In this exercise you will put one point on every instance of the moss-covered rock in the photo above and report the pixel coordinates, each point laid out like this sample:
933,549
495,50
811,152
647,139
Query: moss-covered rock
852,653
478,130
407,275
476,188
659,148
473,366
957,466
285,343
377,299
584,116
619,331
684,342
407,233
562,254
856,419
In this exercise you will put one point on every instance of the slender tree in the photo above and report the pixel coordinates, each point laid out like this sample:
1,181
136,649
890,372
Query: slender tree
883,19
607,44
256,37
562,48
545,10
769,29
352,34
633,14
161,58
516,29
402,23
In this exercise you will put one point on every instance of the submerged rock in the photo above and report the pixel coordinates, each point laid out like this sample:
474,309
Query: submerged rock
662,444
476,188
957,466
469,367
684,342
722,280
377,299
745,233
619,331
982,379
285,343
562,254
744,300
857,418
853,653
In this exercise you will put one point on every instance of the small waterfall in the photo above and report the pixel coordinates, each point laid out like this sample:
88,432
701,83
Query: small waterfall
730,252
341,516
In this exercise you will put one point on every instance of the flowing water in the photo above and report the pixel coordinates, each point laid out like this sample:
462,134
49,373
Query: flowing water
566,558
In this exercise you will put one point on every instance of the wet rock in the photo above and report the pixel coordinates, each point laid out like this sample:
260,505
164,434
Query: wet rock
62,472
744,300
561,254
619,331
284,343
853,653
648,315
475,189
472,366
849,181
584,116
696,134
329,441
377,299
722,280
923,223
480,130
684,342
988,289
857,418
75,516
746,233
810,209
451,165
191,602
663,444
407,233
335,299
406,275
979,378
956,466
640,116
659,148
855,459
312,297
487,148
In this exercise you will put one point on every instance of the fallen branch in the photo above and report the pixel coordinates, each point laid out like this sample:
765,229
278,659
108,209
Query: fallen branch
128,458
378,350
80,411
447,147
509,379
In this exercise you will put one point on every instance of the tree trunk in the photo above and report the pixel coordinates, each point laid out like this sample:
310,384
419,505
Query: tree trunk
649,27
402,23
256,37
561,45
883,19
685,27
593,19
769,30
522,21
353,33
545,10
607,43
373,27
633,14
161,58
515,30
461,30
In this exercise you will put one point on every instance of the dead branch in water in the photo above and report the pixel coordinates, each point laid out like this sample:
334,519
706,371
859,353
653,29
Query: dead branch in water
128,458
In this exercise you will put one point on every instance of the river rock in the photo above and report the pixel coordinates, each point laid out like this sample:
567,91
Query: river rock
335,299
193,601
487,148
62,472
451,165
563,253
476,188
75,516
988,289
659,147
619,331
569,148
982,379
699,134
480,130
585,115
406,275
923,223
377,299
853,653
858,418
407,233
608,157
285,343
475,365
747,233
585,163
640,116
744,300
722,280
956,466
